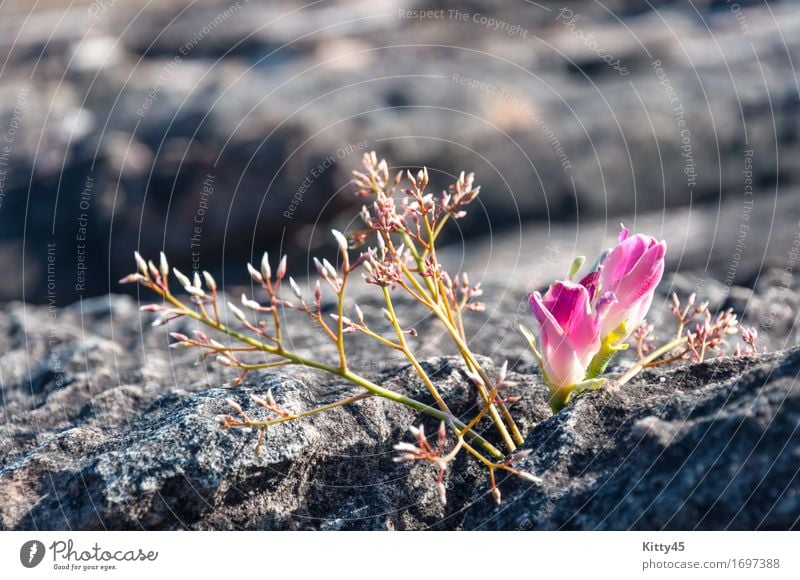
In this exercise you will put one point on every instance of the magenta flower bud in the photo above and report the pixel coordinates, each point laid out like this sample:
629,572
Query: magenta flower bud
568,332
631,273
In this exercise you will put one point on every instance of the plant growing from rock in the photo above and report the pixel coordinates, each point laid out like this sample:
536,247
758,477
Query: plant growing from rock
582,326
403,222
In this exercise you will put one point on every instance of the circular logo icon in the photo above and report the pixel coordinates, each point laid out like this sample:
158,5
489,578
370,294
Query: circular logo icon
31,553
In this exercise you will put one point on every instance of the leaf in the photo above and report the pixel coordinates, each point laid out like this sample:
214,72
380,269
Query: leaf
576,265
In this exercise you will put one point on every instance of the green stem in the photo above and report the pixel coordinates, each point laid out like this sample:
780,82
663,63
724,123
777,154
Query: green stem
314,411
347,374
639,366
409,355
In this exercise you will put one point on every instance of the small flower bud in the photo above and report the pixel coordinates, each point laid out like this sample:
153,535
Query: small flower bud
330,269
387,315
210,282
131,278
266,271
254,274
498,497
340,240
251,304
236,312
163,265
225,361
235,406
183,280
295,288
529,477
281,269
259,401
195,291
141,264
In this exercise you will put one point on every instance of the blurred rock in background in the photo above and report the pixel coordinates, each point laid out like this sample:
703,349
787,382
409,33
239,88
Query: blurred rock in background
216,130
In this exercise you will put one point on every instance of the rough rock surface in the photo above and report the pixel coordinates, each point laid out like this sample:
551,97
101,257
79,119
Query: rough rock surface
103,426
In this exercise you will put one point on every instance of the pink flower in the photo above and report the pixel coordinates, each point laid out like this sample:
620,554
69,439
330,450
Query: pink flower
568,332
631,273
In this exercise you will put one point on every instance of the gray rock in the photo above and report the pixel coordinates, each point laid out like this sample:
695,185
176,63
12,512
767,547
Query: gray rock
710,447
103,426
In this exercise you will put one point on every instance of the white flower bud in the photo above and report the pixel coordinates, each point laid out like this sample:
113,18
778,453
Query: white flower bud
141,264
295,288
163,265
341,240
210,282
281,269
182,278
236,312
254,274
266,271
